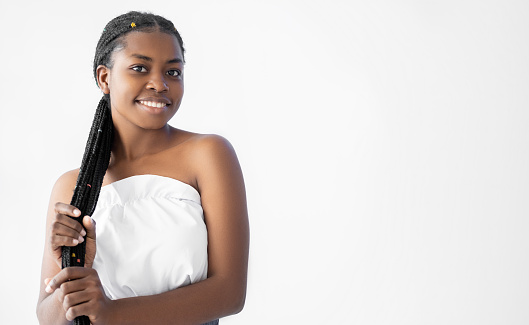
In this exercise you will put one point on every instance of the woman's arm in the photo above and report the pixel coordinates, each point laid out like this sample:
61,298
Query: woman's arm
49,308
223,293
223,197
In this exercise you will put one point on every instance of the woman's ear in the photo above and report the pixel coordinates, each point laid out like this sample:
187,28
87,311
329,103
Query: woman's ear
102,73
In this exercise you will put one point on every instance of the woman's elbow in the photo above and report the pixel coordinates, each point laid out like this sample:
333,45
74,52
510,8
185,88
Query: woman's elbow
239,303
235,299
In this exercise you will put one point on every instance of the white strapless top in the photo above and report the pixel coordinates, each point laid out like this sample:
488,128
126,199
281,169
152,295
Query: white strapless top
151,236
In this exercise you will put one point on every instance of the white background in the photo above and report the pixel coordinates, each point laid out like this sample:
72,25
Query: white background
384,144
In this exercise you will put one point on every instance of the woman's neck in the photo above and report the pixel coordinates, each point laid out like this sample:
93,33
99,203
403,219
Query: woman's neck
131,145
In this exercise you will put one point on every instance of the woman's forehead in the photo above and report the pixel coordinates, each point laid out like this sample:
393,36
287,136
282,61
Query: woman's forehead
155,45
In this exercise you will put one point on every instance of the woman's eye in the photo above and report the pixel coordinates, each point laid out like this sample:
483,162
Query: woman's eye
139,68
174,73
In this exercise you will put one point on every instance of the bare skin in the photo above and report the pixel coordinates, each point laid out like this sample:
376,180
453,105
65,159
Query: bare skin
145,144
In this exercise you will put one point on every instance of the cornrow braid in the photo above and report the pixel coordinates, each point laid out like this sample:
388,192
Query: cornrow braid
98,146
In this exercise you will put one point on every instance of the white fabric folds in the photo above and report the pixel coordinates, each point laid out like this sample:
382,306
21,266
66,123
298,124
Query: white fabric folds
151,236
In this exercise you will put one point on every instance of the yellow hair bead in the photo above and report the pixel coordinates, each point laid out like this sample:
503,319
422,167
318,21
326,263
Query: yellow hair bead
133,25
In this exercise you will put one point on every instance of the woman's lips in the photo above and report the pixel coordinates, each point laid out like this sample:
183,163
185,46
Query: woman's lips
152,104
152,107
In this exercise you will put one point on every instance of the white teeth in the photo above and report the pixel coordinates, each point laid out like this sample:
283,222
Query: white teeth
152,104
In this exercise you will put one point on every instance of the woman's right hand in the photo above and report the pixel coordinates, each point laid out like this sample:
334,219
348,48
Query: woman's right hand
65,231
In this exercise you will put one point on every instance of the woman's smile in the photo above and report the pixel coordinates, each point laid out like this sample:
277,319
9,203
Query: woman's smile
152,107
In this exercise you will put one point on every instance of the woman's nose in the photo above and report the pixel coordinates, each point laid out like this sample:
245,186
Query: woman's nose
158,84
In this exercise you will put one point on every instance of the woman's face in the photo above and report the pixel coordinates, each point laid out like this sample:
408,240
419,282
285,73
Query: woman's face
146,82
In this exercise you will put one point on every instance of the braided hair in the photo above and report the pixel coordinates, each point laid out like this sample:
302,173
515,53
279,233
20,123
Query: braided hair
97,151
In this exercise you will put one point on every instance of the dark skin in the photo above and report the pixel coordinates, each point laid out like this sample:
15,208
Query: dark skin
145,144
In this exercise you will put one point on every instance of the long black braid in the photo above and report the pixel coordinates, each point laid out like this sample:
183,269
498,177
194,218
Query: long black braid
97,152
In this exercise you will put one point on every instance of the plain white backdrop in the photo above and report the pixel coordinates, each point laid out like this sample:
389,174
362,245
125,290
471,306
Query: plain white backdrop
384,144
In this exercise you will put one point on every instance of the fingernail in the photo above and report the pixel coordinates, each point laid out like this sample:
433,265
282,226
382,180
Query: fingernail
83,232
81,239
76,212
75,242
48,289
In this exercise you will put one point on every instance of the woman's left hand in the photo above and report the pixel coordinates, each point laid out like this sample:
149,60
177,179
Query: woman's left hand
81,293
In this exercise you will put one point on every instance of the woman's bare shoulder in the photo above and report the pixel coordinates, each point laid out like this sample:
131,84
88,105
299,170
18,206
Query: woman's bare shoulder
198,144
213,159
208,146
65,184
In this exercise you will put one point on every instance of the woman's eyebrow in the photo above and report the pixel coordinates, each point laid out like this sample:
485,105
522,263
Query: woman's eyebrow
148,59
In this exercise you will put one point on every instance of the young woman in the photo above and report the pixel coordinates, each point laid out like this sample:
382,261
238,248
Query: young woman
172,235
